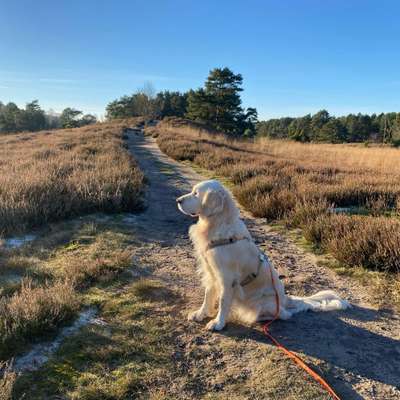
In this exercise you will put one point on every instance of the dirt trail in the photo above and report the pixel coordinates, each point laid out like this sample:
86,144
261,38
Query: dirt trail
358,349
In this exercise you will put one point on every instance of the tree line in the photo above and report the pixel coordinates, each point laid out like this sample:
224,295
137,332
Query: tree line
163,104
217,104
33,118
322,127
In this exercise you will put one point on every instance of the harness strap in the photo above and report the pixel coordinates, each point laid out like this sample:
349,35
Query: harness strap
223,242
250,278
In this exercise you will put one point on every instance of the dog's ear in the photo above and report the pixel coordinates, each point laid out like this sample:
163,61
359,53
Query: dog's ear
213,203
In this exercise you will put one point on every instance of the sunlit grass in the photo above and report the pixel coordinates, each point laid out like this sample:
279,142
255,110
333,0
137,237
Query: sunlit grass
49,176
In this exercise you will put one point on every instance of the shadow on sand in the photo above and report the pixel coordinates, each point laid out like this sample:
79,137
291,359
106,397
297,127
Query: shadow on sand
333,338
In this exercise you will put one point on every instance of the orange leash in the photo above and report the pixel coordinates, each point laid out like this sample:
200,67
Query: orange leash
291,355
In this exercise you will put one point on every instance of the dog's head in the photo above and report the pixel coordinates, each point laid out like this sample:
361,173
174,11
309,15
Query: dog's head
207,199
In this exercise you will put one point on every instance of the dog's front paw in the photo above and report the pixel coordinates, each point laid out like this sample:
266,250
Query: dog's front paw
215,325
196,316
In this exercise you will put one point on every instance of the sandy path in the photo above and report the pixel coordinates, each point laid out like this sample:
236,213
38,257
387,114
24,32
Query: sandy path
359,347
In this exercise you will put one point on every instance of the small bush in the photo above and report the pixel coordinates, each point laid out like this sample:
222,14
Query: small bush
83,272
355,241
365,241
34,311
240,173
306,211
253,188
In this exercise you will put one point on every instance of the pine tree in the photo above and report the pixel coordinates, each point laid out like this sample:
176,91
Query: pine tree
219,105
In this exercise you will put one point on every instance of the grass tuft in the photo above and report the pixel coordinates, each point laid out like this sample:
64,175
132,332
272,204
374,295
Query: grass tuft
7,381
33,311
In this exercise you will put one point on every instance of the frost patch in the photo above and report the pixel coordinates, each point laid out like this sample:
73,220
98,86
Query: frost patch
130,219
41,352
18,241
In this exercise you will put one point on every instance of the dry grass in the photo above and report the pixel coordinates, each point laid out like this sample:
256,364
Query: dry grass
56,274
48,176
7,381
32,311
302,183
351,157
84,273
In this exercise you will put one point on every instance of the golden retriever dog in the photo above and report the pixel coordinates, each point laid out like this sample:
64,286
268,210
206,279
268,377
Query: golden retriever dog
236,275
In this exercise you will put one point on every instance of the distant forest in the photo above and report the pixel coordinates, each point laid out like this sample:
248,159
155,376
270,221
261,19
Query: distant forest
32,118
322,127
217,104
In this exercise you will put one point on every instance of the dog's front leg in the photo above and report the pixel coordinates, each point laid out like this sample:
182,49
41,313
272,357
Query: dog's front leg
207,308
224,307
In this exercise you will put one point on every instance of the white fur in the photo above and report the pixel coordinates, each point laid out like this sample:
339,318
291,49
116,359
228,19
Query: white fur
222,268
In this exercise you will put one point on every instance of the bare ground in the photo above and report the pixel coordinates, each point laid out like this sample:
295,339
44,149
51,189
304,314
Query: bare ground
357,351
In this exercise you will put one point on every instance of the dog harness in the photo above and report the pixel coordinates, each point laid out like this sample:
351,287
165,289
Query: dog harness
233,239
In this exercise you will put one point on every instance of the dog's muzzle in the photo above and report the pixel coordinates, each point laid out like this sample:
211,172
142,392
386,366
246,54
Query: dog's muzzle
179,202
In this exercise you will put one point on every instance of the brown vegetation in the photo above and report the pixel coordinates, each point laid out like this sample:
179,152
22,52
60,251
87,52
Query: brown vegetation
307,185
48,176
32,311
7,381
51,275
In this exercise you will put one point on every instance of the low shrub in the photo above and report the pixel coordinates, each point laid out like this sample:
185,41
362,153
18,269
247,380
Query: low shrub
355,241
84,272
371,242
7,381
34,311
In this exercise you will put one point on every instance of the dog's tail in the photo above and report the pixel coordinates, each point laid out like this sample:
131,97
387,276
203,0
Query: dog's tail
326,300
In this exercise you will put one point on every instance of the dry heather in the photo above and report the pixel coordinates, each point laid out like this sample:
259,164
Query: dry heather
7,381
306,186
33,311
48,176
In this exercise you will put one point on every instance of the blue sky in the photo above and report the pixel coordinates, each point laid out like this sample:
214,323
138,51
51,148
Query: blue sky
296,56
